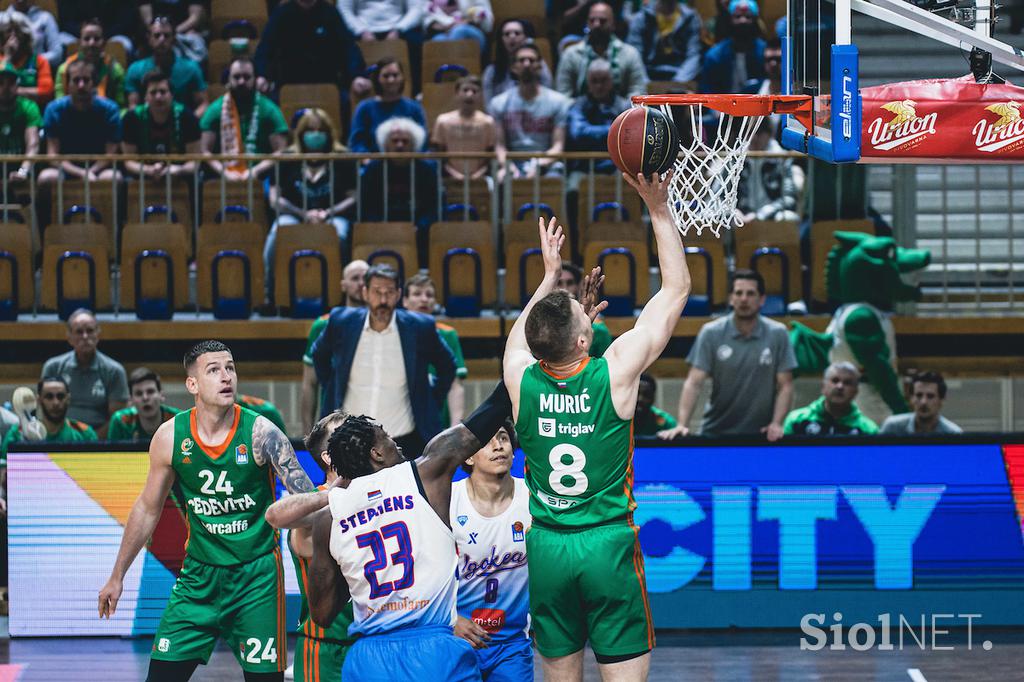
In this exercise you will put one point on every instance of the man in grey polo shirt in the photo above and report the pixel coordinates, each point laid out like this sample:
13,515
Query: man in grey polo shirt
928,392
750,362
98,384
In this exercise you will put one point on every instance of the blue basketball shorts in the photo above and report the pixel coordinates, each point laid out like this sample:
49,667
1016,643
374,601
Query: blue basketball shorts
426,653
508,661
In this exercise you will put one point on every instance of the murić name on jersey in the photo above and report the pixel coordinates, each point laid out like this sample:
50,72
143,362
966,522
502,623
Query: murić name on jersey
212,506
560,403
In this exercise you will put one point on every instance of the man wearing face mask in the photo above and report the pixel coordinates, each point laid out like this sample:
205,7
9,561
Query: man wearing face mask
243,121
736,65
629,76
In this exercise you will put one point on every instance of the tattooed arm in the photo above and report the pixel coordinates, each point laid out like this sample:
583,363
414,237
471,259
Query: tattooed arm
271,446
299,511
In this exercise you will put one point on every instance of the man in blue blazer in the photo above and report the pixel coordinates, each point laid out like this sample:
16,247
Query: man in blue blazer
375,361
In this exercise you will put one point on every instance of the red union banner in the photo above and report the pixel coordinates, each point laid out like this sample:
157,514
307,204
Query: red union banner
943,120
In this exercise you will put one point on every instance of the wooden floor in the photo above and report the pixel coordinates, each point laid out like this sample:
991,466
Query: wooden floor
711,656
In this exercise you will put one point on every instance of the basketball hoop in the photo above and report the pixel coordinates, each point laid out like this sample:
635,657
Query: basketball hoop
707,170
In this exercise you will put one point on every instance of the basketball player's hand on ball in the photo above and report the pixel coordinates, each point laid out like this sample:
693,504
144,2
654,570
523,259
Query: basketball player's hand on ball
472,633
590,294
109,596
652,190
551,240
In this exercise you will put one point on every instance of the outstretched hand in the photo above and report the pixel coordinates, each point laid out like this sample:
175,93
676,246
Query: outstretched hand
590,293
653,191
551,240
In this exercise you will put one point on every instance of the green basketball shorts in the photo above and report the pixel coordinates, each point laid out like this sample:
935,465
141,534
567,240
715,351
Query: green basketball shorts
319,660
244,604
590,585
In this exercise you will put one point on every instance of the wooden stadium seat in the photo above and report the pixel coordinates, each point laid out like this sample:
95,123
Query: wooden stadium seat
706,259
246,238
313,95
623,292
822,241
155,274
248,196
82,278
17,270
533,11
524,268
223,12
219,58
391,243
155,202
671,87
781,235
113,49
437,53
544,45
473,197
535,196
46,5
462,269
215,90
397,48
101,199
604,198
771,12
317,276
437,99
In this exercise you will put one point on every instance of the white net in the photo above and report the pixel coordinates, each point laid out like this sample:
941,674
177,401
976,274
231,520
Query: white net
707,171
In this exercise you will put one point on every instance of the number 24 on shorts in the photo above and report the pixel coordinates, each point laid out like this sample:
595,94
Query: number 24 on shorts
254,655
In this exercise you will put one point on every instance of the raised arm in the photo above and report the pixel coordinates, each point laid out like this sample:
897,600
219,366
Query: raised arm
517,352
634,351
143,517
271,446
328,591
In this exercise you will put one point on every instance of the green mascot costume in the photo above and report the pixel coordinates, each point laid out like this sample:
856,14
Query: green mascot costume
863,275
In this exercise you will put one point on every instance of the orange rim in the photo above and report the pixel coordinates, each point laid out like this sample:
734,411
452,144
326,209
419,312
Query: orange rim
800,106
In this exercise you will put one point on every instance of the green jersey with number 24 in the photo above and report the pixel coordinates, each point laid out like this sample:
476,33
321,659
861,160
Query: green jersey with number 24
579,452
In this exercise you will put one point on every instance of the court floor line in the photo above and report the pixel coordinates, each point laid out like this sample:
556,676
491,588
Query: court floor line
915,675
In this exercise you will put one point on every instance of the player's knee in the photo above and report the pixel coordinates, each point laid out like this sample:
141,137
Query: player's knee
171,671
620,658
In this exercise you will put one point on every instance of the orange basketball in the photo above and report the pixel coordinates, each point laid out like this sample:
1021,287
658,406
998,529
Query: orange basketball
643,140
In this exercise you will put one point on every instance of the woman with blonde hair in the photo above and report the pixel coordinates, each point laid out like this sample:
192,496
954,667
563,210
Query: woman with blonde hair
35,80
311,190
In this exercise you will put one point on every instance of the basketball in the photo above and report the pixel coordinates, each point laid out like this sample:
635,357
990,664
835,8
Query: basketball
643,140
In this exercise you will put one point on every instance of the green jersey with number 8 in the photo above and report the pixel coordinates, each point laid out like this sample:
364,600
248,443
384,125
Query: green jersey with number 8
224,491
579,452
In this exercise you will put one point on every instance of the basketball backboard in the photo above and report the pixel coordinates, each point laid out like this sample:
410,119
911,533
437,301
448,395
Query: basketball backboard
821,59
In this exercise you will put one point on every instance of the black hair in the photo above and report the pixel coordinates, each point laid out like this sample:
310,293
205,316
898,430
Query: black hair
550,328
383,270
573,269
378,67
532,46
316,440
510,429
350,444
503,59
154,76
752,275
646,378
51,379
79,64
140,374
773,43
92,21
930,377
210,346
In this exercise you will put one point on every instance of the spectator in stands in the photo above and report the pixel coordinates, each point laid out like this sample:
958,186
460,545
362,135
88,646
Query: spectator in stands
45,33
928,392
81,123
769,188
628,74
530,118
388,81
159,126
186,78
834,413
667,35
571,279
19,125
98,384
314,191
306,41
772,84
376,361
750,362
147,411
35,79
421,297
352,281
371,20
54,400
186,20
242,121
574,15
262,407
499,76
648,419
108,78
590,117
119,17
459,20
466,129
736,65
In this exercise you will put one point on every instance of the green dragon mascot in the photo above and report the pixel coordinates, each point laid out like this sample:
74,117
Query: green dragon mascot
863,274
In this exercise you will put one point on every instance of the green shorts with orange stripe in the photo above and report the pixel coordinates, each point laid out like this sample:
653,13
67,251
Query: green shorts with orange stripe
593,589
319,660
244,604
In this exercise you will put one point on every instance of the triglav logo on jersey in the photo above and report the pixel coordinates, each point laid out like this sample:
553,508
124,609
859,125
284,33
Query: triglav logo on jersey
1004,133
546,427
905,130
517,532
241,454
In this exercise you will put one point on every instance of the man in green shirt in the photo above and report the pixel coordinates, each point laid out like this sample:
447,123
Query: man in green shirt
186,78
242,121
147,411
570,280
834,413
20,121
262,407
648,419
54,400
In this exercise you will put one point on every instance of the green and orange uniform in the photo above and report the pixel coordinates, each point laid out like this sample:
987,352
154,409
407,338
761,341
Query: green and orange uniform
125,424
264,408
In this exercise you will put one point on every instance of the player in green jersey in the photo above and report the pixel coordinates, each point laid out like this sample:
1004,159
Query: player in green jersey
147,411
223,458
574,417
319,652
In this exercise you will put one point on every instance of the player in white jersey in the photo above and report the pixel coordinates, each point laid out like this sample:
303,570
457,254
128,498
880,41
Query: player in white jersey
490,515
385,541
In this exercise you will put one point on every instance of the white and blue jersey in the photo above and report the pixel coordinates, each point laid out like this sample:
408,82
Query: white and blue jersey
493,580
